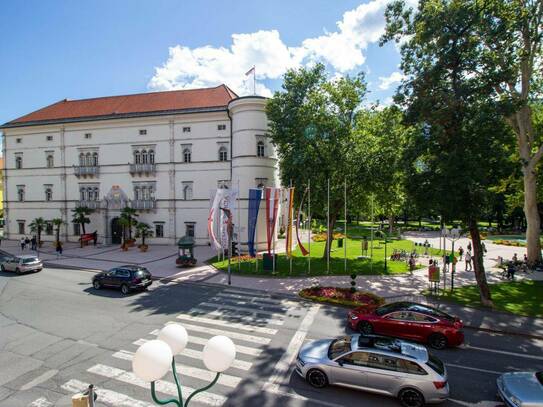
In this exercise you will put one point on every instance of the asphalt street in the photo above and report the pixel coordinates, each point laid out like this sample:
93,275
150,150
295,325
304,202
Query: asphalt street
58,334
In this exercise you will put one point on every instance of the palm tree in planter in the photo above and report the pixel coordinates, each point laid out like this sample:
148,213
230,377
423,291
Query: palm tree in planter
143,230
129,214
37,227
124,223
57,223
80,215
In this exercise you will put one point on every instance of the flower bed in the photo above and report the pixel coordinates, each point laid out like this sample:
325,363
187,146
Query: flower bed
321,237
510,243
341,296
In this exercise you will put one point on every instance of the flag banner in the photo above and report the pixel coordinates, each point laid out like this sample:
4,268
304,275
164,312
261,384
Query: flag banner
212,219
298,218
250,71
216,220
289,205
227,201
255,196
272,205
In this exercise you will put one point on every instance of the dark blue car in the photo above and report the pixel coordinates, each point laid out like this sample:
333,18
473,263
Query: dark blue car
127,278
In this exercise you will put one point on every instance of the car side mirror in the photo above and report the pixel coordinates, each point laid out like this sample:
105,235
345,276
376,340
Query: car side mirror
340,362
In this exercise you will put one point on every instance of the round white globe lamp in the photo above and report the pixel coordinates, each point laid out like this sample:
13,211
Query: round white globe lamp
152,360
175,336
219,353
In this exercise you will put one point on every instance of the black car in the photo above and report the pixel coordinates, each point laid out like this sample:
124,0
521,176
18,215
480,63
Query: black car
127,278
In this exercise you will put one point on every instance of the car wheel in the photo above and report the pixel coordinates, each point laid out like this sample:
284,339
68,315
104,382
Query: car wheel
96,284
124,289
317,378
437,341
364,327
411,398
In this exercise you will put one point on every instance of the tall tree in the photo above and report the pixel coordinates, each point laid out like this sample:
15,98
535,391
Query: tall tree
506,59
57,222
81,215
311,124
130,215
37,227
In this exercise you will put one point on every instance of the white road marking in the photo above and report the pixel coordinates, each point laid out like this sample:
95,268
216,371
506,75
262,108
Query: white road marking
40,379
232,335
503,352
258,300
250,309
105,396
195,354
195,372
41,402
473,368
247,319
283,365
203,341
485,403
227,324
274,389
160,385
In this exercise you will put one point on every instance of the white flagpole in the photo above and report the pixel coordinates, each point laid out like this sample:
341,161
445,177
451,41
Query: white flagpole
328,229
309,234
256,235
345,229
254,80
239,230
289,218
371,247
274,226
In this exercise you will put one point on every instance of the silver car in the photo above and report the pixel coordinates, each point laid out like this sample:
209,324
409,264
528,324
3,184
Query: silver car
521,389
376,364
22,264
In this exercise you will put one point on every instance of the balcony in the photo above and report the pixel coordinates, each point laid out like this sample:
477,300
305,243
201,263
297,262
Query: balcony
90,204
143,204
142,168
86,170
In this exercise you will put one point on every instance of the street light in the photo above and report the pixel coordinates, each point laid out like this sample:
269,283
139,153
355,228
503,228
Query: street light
453,235
154,358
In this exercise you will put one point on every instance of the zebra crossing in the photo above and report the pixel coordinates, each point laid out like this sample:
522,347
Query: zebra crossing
252,321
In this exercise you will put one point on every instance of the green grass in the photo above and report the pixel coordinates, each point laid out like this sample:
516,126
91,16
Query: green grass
517,297
318,264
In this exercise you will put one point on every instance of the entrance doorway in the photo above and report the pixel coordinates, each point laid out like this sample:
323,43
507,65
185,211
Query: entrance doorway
116,231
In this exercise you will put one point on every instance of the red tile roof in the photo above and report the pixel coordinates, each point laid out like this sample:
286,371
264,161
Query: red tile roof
112,106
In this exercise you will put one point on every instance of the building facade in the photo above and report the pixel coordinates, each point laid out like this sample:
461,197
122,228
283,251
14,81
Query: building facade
162,153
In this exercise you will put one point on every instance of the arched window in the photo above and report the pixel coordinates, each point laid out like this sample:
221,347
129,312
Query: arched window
21,194
82,160
50,161
96,198
137,195
18,162
187,155
151,192
48,194
145,193
260,149
137,158
151,156
144,157
81,194
95,159
88,160
187,193
223,154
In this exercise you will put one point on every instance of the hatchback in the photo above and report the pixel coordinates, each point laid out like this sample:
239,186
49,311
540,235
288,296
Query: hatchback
127,278
411,321
22,264
381,365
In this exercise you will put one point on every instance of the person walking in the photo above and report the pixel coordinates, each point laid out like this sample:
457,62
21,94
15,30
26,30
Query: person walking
59,249
469,246
468,261
23,244
27,241
460,252
33,243
412,264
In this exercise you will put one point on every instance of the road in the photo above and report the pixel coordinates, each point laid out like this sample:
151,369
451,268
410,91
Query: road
57,334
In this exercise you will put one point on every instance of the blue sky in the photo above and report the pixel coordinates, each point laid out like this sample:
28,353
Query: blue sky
53,50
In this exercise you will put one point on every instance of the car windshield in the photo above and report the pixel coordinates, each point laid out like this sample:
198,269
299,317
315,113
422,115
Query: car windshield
339,346
423,309
436,364
539,376
29,260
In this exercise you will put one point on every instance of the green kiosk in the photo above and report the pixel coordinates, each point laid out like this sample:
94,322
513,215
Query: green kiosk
186,243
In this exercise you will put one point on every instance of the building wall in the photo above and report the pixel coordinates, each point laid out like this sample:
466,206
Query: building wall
115,142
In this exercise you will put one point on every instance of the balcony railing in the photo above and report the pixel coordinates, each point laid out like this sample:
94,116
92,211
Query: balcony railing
91,204
140,168
86,170
143,204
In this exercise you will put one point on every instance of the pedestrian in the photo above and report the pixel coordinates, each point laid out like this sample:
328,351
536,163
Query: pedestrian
59,249
454,261
460,252
27,241
468,260
511,271
525,258
412,264
34,242
484,248
23,244
469,246
515,258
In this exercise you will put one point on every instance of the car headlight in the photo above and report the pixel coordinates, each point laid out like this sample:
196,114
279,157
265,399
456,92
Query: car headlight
515,401
354,317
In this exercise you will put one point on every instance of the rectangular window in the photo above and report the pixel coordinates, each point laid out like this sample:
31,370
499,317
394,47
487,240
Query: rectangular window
49,138
159,229
186,129
21,224
77,229
189,229
221,127
18,161
88,135
143,132
19,140
20,193
49,229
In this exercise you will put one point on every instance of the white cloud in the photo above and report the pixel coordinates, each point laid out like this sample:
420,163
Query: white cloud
343,50
388,81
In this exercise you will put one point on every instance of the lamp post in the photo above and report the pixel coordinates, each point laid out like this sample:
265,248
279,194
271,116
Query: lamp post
154,358
453,235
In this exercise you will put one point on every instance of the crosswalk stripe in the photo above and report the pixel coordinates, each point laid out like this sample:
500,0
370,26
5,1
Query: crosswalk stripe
232,335
195,354
41,402
228,314
256,299
195,372
249,308
231,325
105,396
203,341
161,386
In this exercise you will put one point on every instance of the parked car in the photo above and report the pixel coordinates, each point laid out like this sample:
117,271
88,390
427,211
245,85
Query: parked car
22,264
127,278
375,364
518,389
409,320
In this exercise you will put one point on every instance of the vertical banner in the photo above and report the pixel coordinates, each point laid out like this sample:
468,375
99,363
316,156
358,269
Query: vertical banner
289,207
212,219
272,204
255,196
217,221
298,220
228,200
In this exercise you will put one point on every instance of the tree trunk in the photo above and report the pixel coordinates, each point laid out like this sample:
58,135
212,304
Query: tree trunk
478,266
533,221
391,224
330,236
58,233
83,227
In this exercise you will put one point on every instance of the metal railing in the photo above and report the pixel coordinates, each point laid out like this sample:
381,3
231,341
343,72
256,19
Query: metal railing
143,204
91,204
139,168
86,170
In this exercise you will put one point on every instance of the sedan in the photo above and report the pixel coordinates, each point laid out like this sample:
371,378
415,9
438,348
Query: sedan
22,264
521,389
127,278
409,320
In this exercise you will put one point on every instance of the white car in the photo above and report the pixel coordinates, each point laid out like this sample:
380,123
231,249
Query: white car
22,264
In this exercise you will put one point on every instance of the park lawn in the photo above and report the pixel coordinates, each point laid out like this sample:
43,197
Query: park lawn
318,265
516,297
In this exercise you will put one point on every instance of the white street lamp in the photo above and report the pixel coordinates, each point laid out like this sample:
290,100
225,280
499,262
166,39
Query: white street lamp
153,359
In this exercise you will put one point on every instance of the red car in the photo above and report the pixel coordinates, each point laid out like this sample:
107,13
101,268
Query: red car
409,320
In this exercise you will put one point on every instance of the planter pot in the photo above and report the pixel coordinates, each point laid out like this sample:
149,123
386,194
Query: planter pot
143,247
124,247
131,243
40,244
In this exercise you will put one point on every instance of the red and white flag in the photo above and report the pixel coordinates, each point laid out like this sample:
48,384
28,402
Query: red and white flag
250,71
272,204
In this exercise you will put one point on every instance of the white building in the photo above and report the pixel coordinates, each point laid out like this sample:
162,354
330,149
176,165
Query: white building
162,153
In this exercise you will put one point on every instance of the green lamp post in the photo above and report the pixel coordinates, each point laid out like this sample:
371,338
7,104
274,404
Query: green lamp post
154,358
